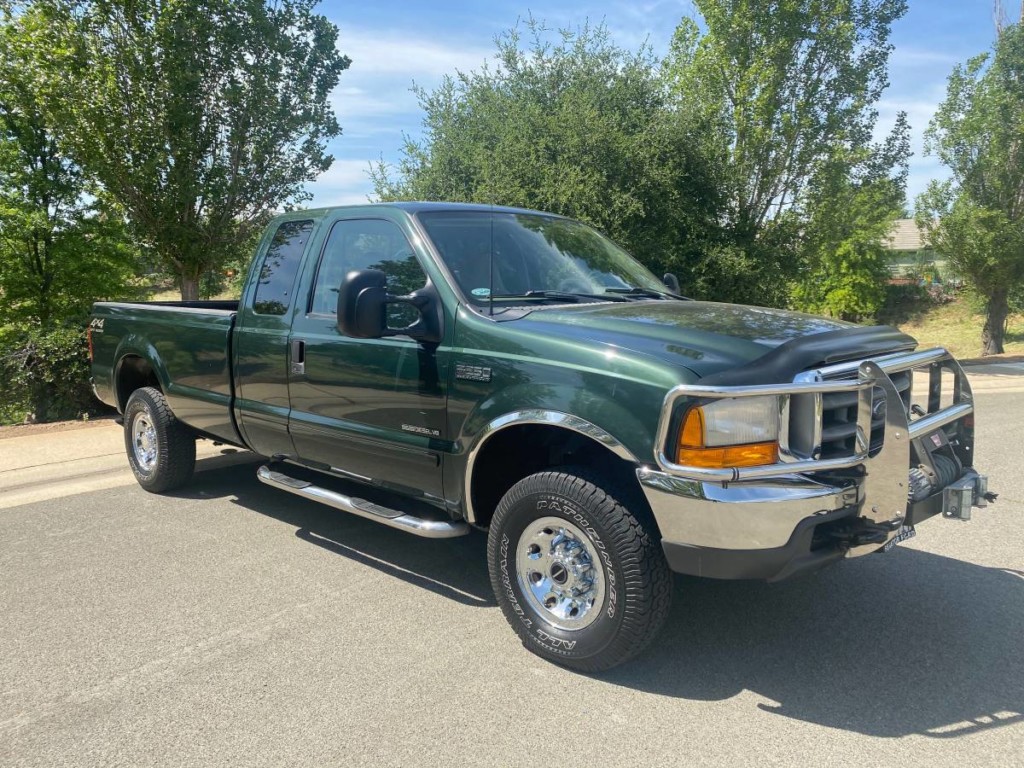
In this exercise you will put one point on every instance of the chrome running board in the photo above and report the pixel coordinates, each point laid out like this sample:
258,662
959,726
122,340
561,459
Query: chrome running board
431,529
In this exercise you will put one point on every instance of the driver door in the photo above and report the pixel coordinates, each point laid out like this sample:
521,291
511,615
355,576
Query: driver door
369,408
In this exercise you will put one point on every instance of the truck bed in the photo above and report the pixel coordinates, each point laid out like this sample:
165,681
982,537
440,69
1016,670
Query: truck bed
188,344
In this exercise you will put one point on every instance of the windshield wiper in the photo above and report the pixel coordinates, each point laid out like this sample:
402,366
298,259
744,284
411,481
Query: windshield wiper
646,292
566,296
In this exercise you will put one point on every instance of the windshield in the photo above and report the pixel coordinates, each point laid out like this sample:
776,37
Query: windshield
533,254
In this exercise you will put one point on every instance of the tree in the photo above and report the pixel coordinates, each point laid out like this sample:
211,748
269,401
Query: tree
578,127
849,216
790,89
197,118
59,249
976,218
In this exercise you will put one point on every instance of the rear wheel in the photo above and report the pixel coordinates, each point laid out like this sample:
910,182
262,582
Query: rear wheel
578,576
161,450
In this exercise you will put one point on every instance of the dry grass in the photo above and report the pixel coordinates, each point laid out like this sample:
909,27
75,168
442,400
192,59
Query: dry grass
173,294
958,329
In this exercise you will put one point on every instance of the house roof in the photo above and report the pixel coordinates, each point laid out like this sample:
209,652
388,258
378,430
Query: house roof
905,236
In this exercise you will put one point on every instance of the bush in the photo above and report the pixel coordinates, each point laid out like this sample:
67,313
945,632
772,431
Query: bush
907,298
44,375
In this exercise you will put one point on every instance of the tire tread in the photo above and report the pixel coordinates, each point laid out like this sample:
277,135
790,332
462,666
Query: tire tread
647,595
176,444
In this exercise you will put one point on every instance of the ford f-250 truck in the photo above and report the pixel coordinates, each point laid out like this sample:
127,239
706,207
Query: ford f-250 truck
441,367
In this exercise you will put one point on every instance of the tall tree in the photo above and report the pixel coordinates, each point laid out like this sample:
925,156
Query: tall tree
576,126
791,88
976,218
59,249
197,117
851,205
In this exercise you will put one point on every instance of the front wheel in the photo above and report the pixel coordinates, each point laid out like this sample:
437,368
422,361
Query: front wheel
161,450
578,576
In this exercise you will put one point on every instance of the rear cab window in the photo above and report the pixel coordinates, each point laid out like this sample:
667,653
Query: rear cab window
275,285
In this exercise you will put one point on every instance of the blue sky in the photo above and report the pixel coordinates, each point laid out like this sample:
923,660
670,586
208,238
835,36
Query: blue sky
392,44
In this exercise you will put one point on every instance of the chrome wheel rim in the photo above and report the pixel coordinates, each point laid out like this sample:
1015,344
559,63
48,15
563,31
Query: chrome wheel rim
559,572
144,441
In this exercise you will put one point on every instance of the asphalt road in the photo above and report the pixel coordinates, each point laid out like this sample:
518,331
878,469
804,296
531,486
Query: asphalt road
232,624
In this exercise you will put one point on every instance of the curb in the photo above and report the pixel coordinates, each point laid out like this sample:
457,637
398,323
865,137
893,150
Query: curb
992,360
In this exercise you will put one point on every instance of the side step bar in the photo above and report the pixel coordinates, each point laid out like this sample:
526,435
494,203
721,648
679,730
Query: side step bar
430,529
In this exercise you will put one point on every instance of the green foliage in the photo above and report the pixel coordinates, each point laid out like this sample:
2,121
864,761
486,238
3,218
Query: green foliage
60,250
976,219
197,118
789,89
578,127
851,207
44,373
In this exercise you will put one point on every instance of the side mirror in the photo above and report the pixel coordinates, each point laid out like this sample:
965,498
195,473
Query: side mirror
671,282
363,300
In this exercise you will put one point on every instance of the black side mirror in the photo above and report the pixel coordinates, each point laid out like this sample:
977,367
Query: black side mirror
363,299
671,282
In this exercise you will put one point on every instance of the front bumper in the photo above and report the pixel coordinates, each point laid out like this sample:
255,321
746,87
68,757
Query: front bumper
774,530
772,522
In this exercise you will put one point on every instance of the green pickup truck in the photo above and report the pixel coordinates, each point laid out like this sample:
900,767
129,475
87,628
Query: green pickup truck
439,367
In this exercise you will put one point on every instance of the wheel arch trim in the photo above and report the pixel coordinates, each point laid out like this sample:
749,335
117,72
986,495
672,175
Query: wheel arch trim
132,347
536,417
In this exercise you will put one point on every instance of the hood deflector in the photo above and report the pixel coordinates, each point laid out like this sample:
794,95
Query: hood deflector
781,364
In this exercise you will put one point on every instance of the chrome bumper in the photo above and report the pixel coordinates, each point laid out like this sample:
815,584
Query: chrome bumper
752,508
754,515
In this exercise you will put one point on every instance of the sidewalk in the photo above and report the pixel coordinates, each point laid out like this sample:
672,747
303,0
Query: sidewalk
41,462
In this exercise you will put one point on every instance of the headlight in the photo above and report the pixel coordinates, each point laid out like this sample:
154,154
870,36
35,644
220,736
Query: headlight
732,432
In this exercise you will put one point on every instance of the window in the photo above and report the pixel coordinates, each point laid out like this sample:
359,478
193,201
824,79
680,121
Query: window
513,253
277,275
368,244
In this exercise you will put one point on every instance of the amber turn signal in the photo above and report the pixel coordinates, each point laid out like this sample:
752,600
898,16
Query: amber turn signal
693,453
750,455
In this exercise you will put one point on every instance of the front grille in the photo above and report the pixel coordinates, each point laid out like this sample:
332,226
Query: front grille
839,417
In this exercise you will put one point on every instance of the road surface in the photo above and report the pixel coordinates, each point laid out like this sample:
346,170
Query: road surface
232,624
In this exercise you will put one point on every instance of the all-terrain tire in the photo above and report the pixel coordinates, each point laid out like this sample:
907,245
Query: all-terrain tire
538,526
161,450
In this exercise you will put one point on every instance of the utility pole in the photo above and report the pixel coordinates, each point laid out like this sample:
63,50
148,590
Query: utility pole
1000,18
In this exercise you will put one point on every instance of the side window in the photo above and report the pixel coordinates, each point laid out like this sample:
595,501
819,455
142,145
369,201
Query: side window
277,274
368,244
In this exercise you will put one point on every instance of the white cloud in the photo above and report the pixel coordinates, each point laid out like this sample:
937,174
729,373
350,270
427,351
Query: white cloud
387,100
345,183
907,56
374,102
380,52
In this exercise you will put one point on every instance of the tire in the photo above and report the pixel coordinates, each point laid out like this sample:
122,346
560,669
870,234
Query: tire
580,579
161,450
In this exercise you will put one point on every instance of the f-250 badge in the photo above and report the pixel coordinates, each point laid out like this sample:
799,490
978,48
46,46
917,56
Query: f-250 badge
421,430
472,372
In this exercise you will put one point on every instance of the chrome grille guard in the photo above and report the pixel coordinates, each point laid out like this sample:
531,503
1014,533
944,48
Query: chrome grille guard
900,430
882,497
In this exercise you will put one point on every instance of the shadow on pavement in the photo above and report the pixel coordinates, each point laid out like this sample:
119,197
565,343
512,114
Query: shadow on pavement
887,645
453,568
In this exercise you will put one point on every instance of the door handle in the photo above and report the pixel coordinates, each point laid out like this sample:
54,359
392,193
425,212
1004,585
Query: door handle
298,355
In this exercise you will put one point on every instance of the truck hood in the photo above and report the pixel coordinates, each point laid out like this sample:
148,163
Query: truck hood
705,337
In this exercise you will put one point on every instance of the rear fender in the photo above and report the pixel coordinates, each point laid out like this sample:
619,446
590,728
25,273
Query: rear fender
134,345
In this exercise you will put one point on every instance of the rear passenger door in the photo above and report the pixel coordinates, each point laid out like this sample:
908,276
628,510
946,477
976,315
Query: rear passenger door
261,338
372,408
